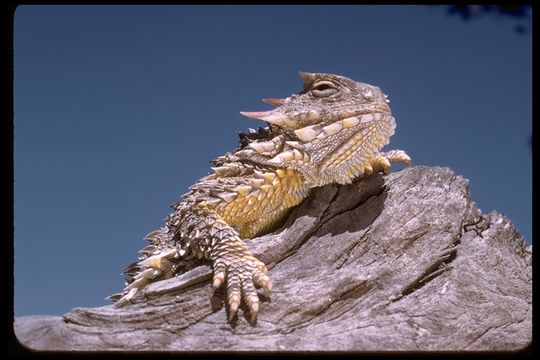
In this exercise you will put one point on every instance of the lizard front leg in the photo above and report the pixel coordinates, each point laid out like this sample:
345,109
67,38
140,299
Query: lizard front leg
232,262
234,265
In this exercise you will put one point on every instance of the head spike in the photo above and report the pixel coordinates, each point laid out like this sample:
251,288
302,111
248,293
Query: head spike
307,77
268,116
274,102
275,117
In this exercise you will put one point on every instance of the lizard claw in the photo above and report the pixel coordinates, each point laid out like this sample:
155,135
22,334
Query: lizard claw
397,156
219,278
263,281
382,161
242,276
234,301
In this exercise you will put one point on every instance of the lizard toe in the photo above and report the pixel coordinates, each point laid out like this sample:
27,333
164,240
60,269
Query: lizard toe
251,298
234,286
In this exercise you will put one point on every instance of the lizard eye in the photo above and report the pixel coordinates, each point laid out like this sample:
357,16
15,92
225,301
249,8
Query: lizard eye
323,89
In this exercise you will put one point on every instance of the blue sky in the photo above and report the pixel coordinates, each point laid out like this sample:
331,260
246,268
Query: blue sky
119,109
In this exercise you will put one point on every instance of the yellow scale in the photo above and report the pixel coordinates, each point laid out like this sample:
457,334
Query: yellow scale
258,209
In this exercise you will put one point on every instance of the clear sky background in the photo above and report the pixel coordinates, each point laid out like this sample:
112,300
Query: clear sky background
118,110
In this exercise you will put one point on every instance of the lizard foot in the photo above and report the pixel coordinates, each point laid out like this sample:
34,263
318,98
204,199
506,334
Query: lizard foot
382,161
242,275
397,156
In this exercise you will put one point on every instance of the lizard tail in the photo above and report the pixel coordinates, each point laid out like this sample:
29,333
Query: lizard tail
156,262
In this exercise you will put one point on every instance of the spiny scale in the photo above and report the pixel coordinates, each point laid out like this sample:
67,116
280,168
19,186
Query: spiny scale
313,138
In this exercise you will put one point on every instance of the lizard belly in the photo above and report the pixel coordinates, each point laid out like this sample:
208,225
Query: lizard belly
264,202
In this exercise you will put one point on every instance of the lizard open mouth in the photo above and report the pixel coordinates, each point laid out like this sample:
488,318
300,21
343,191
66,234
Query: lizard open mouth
261,133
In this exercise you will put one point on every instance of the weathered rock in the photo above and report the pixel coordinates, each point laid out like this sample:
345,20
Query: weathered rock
400,262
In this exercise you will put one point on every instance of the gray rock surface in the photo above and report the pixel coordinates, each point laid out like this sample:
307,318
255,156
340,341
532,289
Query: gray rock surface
398,262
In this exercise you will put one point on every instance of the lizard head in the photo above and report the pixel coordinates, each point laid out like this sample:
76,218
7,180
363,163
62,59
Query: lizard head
332,129
325,99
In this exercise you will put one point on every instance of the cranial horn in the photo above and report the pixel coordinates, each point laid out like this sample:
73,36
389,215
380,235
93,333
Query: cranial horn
308,78
274,102
273,116
268,116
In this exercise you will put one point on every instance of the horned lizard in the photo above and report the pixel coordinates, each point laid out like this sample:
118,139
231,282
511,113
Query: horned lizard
331,132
